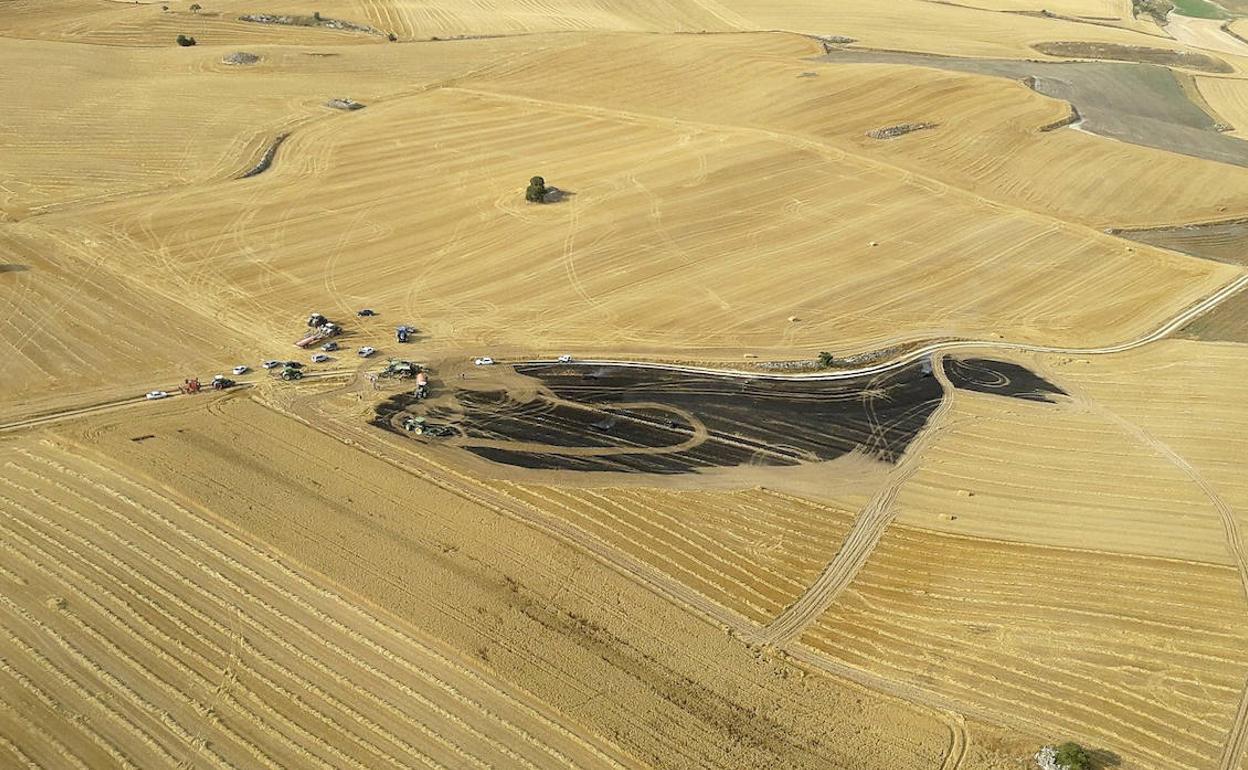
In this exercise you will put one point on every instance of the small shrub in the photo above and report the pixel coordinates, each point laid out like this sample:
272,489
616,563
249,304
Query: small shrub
316,15
536,191
196,7
825,359
185,41
1072,756
392,37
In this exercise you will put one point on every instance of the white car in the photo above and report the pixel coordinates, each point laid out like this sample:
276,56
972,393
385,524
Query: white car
240,369
483,361
565,359
366,351
156,395
319,358
271,364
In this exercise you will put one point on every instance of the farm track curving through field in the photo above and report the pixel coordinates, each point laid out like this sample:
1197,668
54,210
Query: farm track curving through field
869,526
1237,739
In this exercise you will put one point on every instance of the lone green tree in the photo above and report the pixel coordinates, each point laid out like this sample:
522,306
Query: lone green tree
1072,756
196,7
185,41
536,192
825,359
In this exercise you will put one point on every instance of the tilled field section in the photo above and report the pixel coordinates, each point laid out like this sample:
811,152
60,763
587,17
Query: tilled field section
753,551
1137,655
137,633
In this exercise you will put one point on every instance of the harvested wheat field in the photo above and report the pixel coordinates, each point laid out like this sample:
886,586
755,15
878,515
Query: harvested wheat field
860,386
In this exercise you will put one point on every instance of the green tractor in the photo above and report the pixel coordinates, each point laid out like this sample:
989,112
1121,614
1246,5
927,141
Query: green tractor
291,373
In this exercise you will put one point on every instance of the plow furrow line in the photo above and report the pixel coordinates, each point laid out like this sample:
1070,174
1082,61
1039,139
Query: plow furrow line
68,757
274,637
355,636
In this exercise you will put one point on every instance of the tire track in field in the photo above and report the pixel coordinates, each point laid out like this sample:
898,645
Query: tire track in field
1237,738
868,527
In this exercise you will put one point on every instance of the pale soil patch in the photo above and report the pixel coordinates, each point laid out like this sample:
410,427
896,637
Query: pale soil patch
1139,657
1204,33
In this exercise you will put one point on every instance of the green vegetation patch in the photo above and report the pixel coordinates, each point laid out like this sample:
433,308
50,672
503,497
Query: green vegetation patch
1200,9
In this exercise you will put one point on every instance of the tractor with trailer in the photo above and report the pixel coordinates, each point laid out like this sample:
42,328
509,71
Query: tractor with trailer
321,328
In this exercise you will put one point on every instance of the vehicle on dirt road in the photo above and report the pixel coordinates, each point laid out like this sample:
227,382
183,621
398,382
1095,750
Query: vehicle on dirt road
319,358
156,394
483,361
366,351
366,313
403,333
565,359
291,373
240,369
329,346
271,364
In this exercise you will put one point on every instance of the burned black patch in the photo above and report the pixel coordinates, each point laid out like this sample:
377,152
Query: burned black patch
653,420
1000,378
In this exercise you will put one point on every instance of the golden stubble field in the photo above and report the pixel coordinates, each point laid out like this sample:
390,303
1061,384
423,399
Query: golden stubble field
263,578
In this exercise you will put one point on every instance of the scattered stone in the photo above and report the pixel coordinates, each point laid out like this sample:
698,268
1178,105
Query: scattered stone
309,21
793,319
892,132
965,493
57,603
240,57
344,104
789,366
